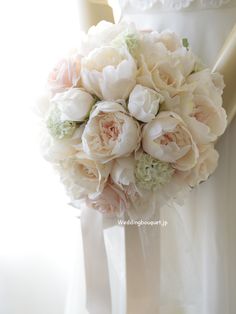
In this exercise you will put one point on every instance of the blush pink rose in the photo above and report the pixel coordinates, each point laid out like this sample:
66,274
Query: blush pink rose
65,74
111,201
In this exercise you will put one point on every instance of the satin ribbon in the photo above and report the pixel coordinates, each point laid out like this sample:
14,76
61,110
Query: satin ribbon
98,292
226,65
142,248
121,265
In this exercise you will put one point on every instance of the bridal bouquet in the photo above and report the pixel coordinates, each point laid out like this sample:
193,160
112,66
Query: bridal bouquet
130,119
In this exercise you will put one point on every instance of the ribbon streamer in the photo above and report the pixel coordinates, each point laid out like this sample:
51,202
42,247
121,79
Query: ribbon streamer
95,261
121,265
142,247
226,65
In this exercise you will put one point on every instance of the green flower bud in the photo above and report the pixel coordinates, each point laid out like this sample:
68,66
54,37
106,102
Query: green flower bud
185,43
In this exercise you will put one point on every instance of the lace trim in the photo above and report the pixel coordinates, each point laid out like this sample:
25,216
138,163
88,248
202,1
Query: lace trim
175,4
213,3
144,5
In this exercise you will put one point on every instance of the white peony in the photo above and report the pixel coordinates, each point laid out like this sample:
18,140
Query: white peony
75,104
167,138
205,166
43,105
83,177
109,73
55,150
110,132
144,103
122,172
103,34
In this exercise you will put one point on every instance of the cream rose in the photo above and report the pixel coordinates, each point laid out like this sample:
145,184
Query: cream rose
109,73
208,84
83,177
207,121
168,75
110,132
169,39
205,166
75,104
144,103
164,63
167,138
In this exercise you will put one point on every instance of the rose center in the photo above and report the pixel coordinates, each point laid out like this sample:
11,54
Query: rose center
88,172
167,138
110,131
201,115
166,78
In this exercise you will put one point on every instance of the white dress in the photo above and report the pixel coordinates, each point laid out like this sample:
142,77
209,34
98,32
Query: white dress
198,249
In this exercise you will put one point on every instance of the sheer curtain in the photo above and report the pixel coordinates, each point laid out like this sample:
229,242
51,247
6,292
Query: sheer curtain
38,231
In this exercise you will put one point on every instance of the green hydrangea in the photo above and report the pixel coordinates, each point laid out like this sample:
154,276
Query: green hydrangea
151,173
57,128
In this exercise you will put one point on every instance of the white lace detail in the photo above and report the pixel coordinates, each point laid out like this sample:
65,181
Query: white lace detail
172,4
175,4
143,4
213,3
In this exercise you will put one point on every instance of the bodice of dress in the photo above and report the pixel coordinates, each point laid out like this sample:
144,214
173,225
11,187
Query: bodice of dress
206,23
172,5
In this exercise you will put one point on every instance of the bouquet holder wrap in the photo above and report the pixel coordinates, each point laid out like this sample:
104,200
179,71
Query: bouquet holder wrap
121,265
226,65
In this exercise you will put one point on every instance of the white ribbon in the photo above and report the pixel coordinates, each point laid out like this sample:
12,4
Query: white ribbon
121,266
95,260
142,248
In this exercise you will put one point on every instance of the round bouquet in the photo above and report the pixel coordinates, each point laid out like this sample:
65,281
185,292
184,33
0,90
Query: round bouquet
130,120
